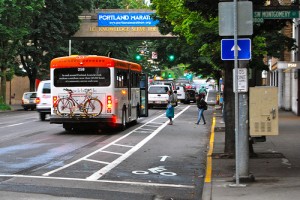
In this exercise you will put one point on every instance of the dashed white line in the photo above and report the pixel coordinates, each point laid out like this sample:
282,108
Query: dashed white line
12,125
123,145
18,124
97,161
110,152
156,122
145,129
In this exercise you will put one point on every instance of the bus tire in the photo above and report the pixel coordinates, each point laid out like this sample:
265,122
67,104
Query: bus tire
67,127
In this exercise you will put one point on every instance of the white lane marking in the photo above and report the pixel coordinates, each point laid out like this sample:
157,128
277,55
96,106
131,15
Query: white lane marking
285,161
206,97
12,125
156,170
99,150
116,162
163,158
153,126
103,181
97,161
123,145
145,129
18,124
110,152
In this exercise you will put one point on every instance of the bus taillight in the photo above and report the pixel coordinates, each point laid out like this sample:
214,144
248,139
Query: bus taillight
109,104
114,119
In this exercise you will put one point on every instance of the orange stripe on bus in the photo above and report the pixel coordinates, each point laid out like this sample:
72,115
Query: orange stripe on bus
93,61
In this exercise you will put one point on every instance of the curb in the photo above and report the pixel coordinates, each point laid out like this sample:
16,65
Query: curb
207,191
207,186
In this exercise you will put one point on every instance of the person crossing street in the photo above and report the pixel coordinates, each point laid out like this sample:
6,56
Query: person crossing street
201,105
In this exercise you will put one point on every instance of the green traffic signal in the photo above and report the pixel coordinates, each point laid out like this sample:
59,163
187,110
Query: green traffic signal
171,57
138,57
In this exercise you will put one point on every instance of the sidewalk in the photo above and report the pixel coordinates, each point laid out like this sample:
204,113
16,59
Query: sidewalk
276,168
14,107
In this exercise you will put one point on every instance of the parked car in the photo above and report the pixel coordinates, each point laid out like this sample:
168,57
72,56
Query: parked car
182,95
157,95
191,95
29,100
43,100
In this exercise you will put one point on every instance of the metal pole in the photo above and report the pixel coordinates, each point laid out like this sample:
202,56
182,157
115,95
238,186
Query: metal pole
70,47
235,36
243,132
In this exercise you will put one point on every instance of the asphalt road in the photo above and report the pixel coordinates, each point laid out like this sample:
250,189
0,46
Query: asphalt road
150,160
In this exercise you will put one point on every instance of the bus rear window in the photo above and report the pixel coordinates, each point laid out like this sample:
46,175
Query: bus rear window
81,77
158,90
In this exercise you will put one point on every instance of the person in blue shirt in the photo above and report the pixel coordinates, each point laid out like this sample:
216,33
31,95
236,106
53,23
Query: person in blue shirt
202,91
170,107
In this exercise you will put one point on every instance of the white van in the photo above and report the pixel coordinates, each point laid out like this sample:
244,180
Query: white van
181,94
43,100
158,96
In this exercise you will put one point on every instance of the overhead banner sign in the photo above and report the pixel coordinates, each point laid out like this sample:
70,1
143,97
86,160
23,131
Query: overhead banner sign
126,19
119,23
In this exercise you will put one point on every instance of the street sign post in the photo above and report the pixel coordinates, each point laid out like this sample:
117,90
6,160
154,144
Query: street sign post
244,49
244,15
260,15
242,78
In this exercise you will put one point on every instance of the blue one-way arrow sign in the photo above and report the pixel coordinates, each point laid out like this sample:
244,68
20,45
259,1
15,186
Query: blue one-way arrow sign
244,49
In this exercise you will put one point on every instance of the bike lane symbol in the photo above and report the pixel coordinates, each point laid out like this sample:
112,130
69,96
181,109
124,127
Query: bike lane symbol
155,170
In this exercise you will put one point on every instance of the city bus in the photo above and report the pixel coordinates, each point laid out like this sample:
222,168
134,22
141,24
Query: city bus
93,92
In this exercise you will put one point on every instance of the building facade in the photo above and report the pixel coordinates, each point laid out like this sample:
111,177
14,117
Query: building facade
285,73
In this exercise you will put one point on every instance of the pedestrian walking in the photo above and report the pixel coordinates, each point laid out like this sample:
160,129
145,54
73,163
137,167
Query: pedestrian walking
170,107
203,91
201,105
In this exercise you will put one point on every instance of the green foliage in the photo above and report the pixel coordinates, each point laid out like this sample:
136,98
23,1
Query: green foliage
104,4
15,19
49,32
132,4
197,22
4,106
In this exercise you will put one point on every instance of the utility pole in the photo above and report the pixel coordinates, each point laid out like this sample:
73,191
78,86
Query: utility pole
244,130
241,14
241,114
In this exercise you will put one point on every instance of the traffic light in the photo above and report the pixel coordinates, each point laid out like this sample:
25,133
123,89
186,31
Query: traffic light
169,75
171,57
138,57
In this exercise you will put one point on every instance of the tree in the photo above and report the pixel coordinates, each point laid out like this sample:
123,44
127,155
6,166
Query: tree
15,19
197,22
48,36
